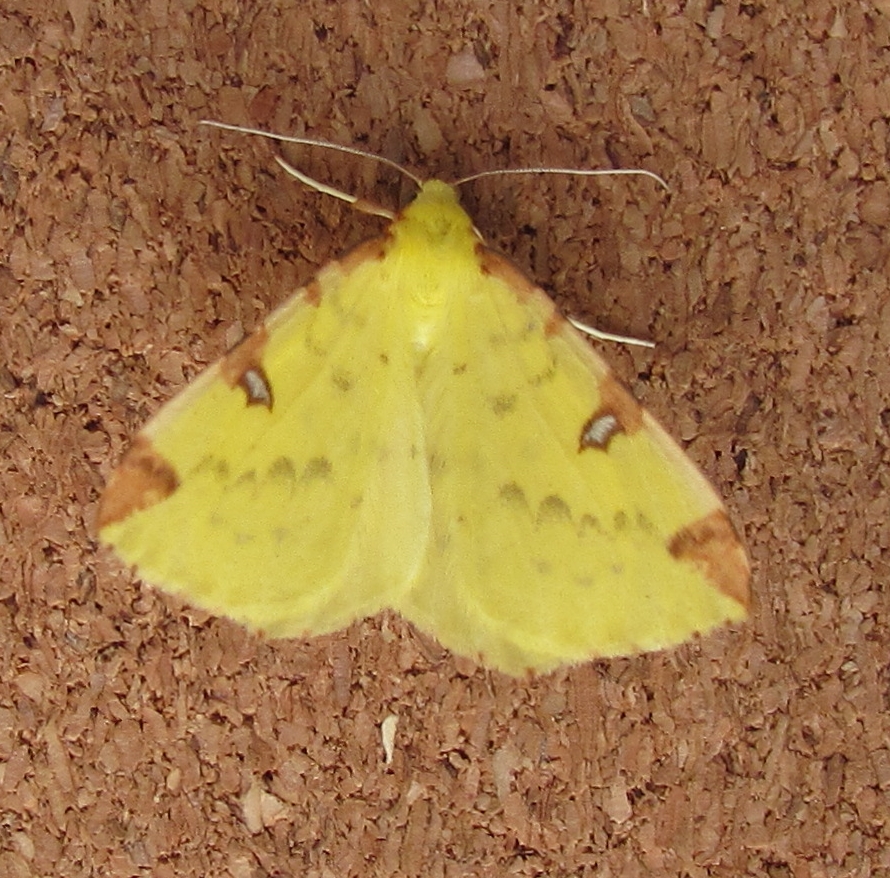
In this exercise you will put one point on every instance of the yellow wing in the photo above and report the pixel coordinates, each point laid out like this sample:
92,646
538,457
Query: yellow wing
286,487
566,522
419,429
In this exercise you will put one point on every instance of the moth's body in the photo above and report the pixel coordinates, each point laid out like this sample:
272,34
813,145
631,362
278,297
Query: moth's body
419,429
430,262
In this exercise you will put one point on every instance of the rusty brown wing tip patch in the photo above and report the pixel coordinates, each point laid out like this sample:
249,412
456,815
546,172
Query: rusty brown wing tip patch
712,544
142,479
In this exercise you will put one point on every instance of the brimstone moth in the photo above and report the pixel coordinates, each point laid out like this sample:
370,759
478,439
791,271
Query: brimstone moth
418,428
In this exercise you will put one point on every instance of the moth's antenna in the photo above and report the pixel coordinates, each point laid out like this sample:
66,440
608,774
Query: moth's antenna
602,335
598,334
361,204
313,141
376,210
358,203
567,172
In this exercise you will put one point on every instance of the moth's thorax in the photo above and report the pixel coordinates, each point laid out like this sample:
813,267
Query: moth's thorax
433,252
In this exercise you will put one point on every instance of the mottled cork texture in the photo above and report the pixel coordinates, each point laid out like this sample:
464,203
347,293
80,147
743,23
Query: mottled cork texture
140,737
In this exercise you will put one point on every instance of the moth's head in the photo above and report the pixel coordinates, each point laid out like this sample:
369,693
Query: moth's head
435,219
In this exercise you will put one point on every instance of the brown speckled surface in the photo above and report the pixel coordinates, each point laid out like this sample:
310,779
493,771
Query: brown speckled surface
139,737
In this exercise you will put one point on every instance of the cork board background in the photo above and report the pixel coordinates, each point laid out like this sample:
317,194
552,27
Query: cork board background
141,737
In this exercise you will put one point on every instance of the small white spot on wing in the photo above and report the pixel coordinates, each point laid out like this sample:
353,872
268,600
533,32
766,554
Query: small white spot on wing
256,386
600,429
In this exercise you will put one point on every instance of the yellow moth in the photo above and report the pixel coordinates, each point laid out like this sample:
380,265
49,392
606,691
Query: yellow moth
419,429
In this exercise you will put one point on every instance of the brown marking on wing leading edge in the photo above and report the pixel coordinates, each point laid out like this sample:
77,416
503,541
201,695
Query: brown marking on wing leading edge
499,266
368,251
243,367
375,249
712,545
312,292
555,324
618,412
142,479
